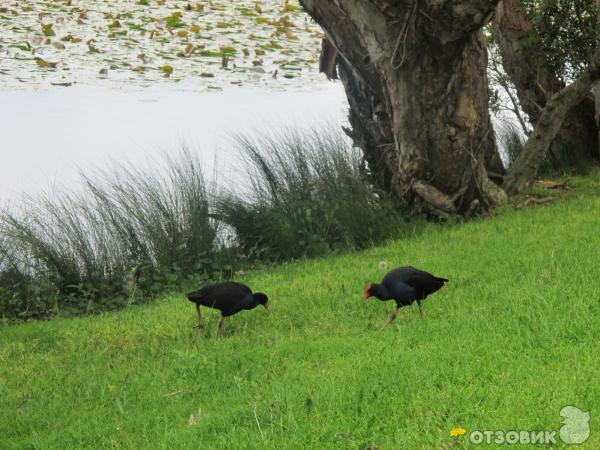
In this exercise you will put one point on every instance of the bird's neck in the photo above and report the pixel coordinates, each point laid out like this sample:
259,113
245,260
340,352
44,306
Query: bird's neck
381,292
250,302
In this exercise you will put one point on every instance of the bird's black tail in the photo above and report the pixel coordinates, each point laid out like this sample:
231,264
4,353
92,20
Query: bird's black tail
443,280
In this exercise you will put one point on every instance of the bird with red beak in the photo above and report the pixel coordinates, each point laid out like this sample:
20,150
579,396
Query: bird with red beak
405,285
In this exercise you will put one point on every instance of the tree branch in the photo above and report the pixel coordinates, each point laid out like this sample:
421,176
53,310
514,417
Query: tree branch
526,166
450,20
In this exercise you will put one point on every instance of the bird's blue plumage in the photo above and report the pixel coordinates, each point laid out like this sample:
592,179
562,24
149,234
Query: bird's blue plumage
405,285
228,297
246,302
401,292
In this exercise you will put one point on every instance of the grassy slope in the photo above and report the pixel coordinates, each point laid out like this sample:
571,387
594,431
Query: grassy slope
511,340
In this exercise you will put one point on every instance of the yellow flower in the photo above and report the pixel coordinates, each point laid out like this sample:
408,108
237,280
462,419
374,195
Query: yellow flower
111,387
455,432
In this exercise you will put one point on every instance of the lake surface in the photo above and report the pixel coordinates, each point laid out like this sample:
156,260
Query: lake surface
48,135
85,82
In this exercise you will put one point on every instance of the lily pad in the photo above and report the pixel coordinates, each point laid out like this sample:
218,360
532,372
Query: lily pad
47,30
167,70
229,40
45,64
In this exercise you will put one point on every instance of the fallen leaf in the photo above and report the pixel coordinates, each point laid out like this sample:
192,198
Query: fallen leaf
193,420
551,184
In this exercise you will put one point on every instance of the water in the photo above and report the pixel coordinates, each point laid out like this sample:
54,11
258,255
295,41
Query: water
119,102
47,136
125,43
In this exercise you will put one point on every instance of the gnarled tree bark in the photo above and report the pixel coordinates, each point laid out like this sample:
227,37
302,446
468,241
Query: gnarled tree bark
597,101
415,77
523,60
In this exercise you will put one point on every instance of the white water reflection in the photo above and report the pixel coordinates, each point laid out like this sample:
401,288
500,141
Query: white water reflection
47,136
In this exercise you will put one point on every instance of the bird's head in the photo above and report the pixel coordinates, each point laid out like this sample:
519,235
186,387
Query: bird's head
262,299
367,292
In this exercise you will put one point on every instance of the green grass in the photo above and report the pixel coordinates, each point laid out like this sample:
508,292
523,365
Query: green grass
510,340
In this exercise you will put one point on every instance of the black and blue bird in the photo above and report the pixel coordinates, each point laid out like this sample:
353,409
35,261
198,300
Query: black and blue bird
228,297
405,285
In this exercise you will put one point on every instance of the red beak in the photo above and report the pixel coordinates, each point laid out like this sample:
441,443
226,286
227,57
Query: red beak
367,294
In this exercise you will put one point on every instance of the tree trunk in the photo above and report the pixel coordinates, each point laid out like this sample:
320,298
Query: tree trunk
597,101
415,78
523,60
527,164
328,60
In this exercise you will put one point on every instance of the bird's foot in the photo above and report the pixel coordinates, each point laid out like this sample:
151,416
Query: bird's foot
389,321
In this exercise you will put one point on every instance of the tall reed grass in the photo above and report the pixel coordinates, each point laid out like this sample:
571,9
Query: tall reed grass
306,194
511,140
127,234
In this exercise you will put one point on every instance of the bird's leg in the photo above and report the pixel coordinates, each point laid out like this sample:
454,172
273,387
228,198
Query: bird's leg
421,313
200,325
391,318
220,327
